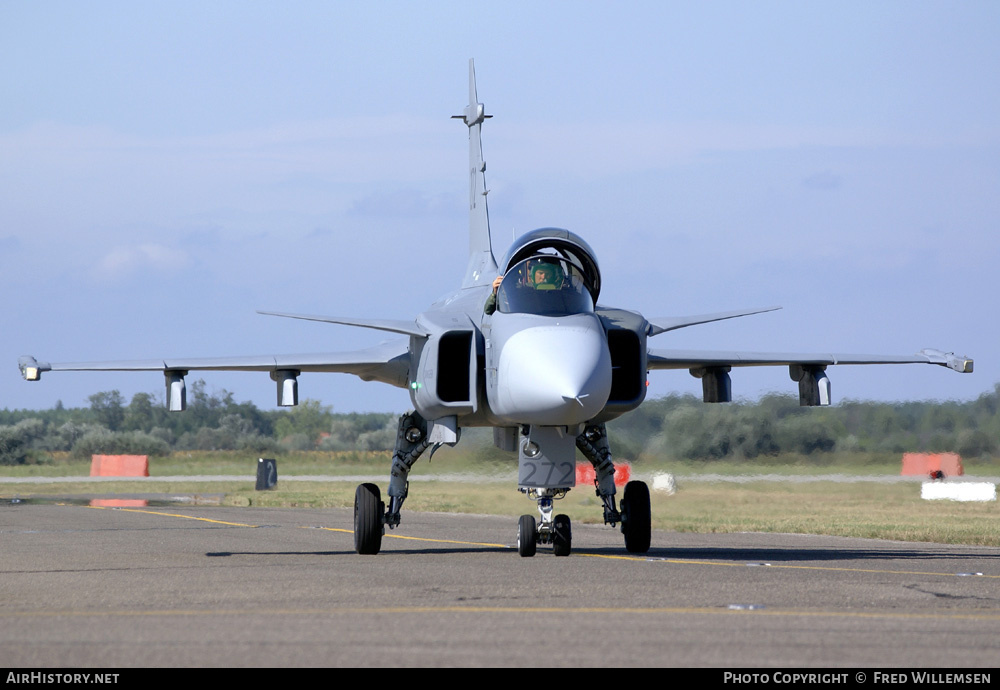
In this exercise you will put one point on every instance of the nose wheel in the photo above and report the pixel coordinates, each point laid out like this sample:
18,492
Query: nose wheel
562,536
552,530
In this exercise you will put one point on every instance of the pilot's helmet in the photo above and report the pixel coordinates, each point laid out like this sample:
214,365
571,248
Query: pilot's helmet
546,276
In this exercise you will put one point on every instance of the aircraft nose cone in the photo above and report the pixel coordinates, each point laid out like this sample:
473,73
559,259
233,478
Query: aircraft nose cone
554,375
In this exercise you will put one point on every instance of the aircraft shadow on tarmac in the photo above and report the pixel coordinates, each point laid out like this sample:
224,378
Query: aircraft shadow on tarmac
741,554
457,549
226,554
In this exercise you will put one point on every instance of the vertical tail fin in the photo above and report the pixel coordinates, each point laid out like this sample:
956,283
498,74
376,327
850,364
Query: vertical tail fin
482,264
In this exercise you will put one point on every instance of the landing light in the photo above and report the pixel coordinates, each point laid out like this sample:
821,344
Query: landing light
531,449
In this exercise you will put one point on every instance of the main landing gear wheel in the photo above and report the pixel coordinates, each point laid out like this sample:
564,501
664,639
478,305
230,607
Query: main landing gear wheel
636,517
368,511
527,536
562,535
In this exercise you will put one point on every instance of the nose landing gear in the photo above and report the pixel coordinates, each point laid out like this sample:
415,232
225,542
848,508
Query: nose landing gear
552,530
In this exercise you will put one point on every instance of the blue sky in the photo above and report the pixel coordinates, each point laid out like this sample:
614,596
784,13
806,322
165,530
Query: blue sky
166,169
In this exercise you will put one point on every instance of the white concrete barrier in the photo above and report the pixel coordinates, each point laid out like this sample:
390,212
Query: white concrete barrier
959,491
665,483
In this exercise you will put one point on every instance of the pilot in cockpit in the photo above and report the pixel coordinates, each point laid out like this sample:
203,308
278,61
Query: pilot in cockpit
546,276
542,286
542,276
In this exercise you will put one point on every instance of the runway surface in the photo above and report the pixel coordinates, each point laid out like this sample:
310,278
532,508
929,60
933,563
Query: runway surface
237,587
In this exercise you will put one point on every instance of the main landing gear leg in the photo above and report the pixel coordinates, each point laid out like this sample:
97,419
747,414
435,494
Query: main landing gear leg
635,515
411,442
370,514
593,443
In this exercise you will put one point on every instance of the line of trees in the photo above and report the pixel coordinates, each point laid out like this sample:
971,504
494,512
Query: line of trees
212,421
676,426
681,426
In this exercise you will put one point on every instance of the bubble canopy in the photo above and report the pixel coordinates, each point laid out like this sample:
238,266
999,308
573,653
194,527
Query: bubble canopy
561,244
547,285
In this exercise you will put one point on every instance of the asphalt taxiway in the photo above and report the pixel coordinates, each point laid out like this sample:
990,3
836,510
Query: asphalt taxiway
106,587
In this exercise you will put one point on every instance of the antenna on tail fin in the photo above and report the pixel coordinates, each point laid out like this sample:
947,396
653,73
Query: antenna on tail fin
482,266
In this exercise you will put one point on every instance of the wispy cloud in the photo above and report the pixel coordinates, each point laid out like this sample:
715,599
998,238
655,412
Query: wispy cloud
123,263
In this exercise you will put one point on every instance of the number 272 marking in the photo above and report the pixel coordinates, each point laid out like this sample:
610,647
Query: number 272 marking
532,468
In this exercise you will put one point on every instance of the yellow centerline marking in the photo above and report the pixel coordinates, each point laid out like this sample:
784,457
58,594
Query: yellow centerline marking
177,515
676,561
401,536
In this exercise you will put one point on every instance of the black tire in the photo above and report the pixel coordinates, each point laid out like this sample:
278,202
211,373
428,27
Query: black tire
562,535
636,517
527,536
368,508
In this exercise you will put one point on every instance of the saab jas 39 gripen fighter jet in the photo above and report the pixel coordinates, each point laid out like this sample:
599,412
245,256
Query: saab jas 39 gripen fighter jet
522,346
